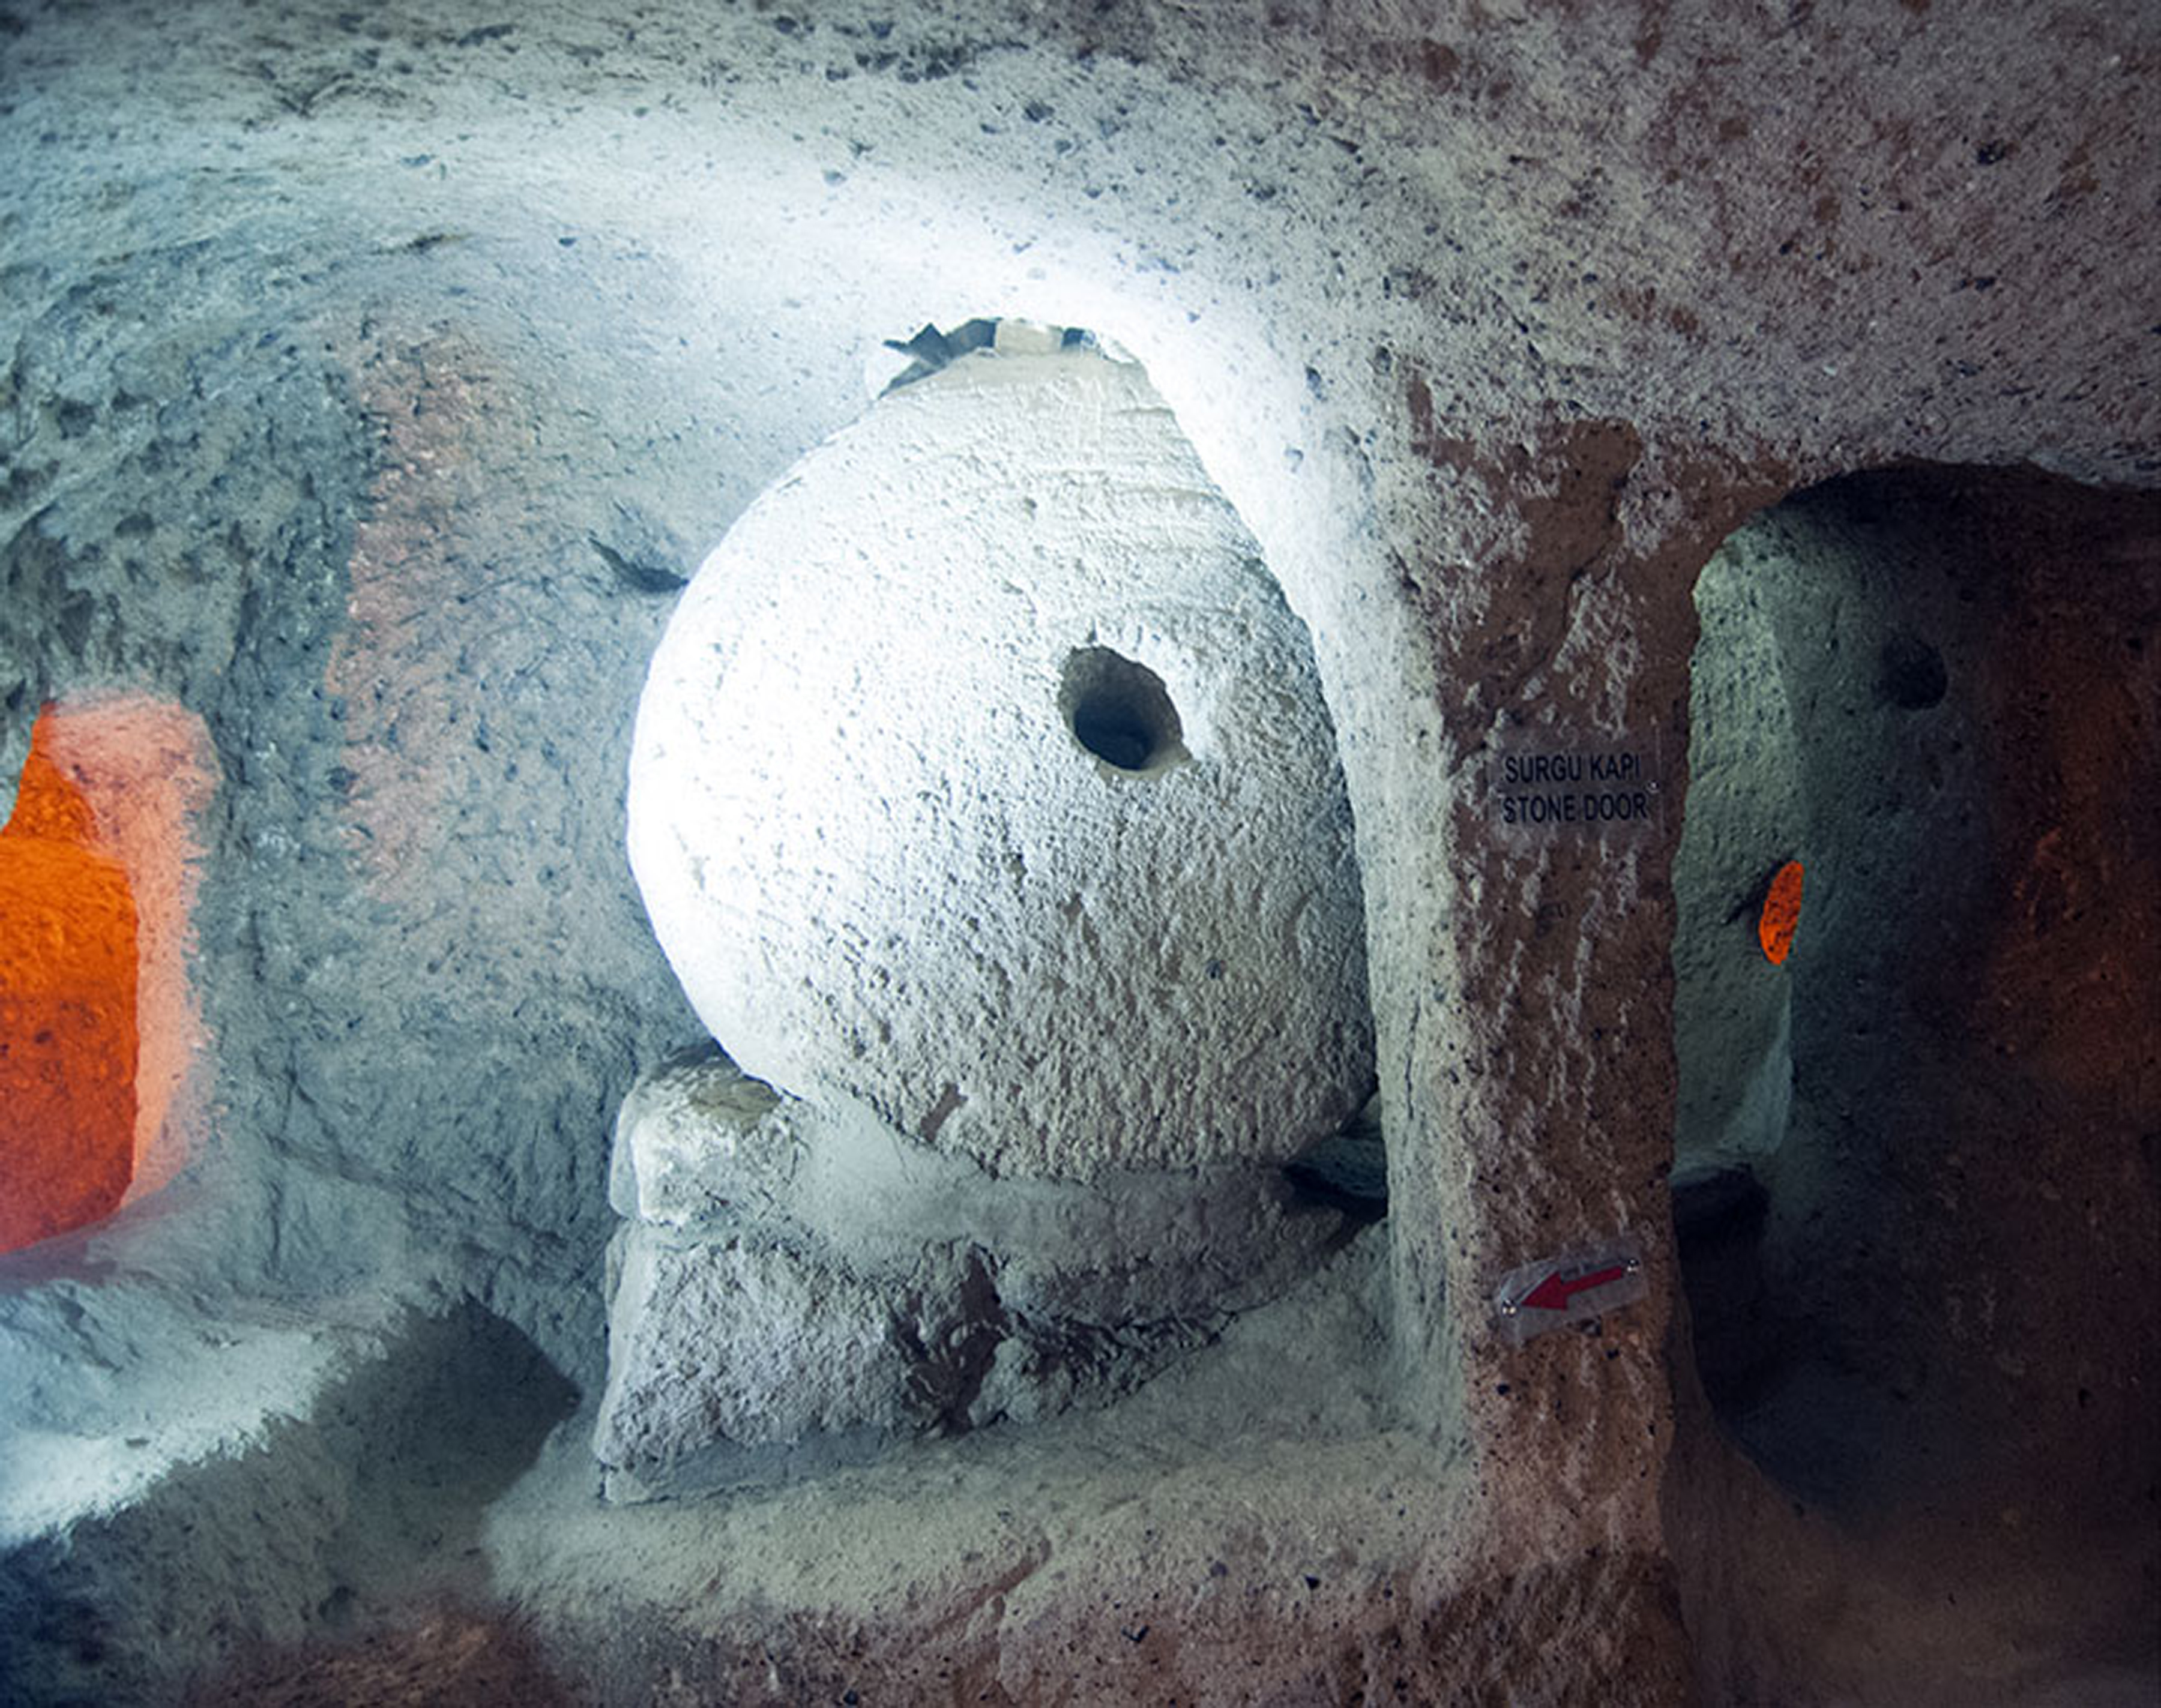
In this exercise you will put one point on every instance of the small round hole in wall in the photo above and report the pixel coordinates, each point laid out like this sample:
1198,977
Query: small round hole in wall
1120,711
1910,672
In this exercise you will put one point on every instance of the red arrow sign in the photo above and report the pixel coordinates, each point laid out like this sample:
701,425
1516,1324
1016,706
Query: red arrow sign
1554,1293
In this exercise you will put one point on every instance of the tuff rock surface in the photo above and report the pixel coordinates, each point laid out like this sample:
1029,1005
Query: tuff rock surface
795,1289
371,378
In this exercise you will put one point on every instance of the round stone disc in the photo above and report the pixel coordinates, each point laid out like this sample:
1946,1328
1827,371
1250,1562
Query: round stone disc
983,776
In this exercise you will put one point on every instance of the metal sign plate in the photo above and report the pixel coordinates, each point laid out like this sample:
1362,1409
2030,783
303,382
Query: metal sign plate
1557,1291
1543,784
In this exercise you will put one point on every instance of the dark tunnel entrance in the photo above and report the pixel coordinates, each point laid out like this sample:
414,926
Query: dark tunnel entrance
1915,1172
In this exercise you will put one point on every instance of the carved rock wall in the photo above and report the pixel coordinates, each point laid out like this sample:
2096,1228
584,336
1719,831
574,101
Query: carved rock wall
367,376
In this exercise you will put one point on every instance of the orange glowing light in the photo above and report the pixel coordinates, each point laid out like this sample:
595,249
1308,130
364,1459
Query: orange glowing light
1782,913
68,1042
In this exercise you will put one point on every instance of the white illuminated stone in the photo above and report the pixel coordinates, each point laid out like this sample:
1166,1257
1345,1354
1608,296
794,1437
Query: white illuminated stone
983,776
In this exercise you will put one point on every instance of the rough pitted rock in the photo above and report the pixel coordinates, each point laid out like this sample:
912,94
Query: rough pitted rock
983,776
796,1287
702,1150
329,351
741,1360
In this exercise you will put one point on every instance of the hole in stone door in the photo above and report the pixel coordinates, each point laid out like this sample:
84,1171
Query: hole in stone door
1918,1224
1120,711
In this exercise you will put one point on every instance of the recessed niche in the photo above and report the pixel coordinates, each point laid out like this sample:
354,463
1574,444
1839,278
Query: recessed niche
1121,711
67,1010
99,1035
1911,674
987,1135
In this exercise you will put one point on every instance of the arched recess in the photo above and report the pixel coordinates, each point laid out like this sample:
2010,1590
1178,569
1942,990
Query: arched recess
99,1030
1915,1169
985,801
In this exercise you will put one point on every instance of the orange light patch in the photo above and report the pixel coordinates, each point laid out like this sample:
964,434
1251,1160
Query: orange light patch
68,1041
1782,913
